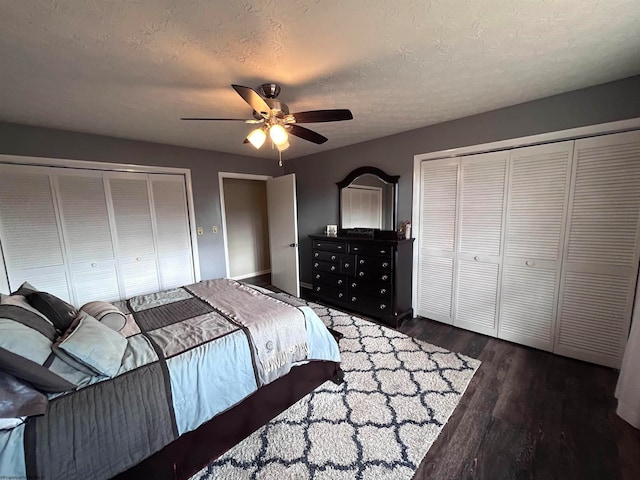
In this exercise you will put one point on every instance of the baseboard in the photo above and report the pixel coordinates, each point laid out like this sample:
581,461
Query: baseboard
249,275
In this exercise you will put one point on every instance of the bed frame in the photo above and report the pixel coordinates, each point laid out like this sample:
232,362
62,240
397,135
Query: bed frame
194,450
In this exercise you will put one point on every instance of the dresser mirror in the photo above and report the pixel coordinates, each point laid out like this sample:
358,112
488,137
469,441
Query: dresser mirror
368,200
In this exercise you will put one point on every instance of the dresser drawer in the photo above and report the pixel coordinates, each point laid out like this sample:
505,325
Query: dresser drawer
326,256
374,276
369,288
333,293
326,266
329,279
377,250
374,263
330,246
372,305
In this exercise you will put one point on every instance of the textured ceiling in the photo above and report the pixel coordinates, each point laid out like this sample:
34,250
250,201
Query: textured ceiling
132,68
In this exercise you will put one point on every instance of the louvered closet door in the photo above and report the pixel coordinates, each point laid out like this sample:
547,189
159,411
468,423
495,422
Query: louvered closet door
439,190
135,242
601,253
482,199
87,233
536,215
29,231
173,233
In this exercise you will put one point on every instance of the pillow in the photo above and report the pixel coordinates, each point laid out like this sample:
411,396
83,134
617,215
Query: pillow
59,312
106,314
19,399
9,423
26,339
25,289
93,344
20,301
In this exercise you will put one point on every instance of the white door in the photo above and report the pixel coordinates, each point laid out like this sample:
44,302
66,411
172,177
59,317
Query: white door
536,213
601,251
437,238
283,233
480,225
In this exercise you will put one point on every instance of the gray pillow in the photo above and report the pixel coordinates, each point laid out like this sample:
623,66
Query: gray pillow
19,399
25,289
59,312
93,344
106,314
25,346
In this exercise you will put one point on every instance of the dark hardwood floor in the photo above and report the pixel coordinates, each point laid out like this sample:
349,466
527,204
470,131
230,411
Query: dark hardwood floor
527,414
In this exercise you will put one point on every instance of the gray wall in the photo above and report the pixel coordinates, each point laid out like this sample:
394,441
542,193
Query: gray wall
317,174
205,165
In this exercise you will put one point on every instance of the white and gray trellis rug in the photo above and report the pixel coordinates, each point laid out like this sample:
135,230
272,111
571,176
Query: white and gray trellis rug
398,394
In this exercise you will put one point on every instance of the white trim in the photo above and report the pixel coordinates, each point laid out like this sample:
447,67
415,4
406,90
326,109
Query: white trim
561,135
223,210
253,274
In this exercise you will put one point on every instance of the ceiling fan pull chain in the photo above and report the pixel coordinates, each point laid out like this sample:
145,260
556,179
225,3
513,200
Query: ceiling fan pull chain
279,158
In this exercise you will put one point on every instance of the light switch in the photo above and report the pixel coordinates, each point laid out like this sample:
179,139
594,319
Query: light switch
200,231
215,229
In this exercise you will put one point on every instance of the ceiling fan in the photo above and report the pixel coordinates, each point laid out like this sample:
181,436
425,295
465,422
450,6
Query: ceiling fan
274,118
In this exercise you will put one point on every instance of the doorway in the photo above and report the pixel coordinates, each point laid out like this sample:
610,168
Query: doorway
245,225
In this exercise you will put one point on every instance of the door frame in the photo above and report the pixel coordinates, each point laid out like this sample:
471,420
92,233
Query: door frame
223,208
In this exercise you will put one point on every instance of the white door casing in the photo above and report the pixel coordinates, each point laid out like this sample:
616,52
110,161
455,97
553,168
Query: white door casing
283,233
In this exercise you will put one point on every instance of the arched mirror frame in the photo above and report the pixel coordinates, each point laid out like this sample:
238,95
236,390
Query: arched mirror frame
390,179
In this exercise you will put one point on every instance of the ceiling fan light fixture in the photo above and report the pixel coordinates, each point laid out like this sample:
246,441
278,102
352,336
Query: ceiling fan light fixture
257,137
278,134
283,146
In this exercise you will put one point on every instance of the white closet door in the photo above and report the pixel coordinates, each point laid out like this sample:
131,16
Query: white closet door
536,214
136,246
87,233
439,187
482,202
173,233
601,253
29,231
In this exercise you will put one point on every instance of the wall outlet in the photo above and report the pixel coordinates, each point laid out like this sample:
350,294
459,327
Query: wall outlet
200,231
215,229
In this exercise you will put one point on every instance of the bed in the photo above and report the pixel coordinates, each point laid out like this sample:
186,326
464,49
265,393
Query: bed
202,366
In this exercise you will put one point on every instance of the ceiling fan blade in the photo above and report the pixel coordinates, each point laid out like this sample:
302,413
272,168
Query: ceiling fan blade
253,98
306,134
226,119
315,116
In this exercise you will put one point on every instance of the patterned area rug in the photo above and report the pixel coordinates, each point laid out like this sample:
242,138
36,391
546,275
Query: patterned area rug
398,394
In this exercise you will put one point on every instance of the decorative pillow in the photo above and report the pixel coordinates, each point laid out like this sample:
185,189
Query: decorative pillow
26,339
59,312
20,301
95,345
25,289
106,314
9,423
19,399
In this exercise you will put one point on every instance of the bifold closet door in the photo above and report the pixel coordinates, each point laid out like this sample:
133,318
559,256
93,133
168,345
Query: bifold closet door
480,230
536,215
134,232
173,232
88,237
29,230
601,251
436,254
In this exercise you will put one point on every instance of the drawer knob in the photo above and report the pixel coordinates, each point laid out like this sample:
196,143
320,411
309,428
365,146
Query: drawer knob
382,306
340,295
361,261
333,257
383,251
385,264
340,282
354,285
383,291
385,277
353,299
317,289
316,254
317,275
339,247
355,249
333,267
316,264
346,265
361,274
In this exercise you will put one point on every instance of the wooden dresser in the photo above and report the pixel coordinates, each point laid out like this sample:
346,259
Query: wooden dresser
367,276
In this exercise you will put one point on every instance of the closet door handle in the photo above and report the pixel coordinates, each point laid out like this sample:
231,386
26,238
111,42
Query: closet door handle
528,263
476,258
